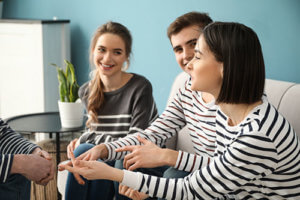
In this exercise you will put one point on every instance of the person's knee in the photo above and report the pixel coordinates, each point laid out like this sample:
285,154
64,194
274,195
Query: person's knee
119,164
82,148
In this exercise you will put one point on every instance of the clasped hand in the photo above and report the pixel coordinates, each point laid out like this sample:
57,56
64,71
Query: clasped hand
41,170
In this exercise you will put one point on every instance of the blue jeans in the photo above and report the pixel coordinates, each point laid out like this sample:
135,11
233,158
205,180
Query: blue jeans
96,189
16,187
158,171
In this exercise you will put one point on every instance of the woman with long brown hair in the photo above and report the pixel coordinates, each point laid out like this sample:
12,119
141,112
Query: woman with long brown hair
118,103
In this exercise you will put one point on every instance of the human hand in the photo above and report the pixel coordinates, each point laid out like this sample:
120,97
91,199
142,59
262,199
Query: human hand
47,156
147,155
93,170
34,167
131,193
42,153
62,167
72,146
95,153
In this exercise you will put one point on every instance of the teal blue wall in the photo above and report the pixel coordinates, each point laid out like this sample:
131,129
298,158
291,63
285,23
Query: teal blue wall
277,23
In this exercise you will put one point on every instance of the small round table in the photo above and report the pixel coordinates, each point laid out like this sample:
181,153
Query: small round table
46,122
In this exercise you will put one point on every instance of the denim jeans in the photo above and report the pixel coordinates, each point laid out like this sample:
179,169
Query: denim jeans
16,187
96,189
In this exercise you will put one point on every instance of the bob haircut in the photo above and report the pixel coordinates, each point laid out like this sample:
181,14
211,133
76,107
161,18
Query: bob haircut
238,48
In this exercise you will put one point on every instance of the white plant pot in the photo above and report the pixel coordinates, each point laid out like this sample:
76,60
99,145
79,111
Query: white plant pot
71,114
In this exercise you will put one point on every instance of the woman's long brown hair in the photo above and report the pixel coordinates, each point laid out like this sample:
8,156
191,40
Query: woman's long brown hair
96,96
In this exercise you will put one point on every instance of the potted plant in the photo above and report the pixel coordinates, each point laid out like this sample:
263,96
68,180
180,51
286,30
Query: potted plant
70,107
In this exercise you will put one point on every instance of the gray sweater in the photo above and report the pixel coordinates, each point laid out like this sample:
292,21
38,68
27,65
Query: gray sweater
125,111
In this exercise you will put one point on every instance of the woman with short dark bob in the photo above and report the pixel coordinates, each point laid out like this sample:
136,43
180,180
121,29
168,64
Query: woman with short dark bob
257,151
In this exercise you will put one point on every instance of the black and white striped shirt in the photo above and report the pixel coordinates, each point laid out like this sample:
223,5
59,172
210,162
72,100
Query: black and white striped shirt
257,159
125,111
11,143
187,108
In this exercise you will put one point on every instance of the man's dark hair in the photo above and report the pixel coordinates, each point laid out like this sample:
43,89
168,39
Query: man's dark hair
188,19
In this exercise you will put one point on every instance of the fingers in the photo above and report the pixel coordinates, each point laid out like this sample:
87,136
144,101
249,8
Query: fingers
71,147
49,176
126,148
72,158
131,161
71,169
124,190
142,140
83,163
68,151
61,167
78,179
133,167
88,157
45,155
129,192
83,156
73,144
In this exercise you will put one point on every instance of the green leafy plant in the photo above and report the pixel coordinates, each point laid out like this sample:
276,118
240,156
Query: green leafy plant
68,87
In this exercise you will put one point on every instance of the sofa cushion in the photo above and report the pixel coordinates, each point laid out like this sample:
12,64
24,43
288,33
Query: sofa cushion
275,90
289,107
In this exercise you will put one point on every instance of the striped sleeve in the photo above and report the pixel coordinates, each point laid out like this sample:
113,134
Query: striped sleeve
5,166
191,162
164,127
11,143
246,159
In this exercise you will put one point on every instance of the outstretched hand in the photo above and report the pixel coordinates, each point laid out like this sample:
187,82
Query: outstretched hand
147,155
93,170
63,166
131,193
95,153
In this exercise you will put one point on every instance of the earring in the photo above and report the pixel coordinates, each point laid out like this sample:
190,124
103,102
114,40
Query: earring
125,65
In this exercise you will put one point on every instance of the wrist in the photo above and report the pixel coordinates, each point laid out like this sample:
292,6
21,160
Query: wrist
16,167
103,151
169,157
116,175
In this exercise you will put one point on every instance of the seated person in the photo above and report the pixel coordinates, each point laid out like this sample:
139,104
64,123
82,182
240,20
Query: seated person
257,151
21,162
118,103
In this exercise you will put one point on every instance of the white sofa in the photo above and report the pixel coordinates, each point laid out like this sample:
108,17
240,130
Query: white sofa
283,95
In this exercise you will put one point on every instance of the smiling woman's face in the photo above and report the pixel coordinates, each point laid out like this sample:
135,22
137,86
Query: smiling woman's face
109,54
206,72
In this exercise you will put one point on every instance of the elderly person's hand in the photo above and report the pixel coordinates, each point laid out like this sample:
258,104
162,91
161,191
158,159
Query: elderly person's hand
34,167
47,156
